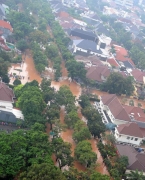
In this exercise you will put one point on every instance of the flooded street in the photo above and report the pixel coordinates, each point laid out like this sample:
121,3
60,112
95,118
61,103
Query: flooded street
25,70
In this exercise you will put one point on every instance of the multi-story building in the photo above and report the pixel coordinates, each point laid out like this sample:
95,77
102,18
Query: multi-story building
126,3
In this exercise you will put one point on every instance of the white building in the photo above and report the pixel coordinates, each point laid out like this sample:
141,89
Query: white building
130,134
114,109
126,3
7,112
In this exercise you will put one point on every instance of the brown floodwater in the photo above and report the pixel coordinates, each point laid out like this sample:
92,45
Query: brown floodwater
64,70
74,87
28,72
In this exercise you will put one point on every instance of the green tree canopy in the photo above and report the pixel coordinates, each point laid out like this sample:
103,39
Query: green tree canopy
117,84
41,172
62,151
84,154
81,132
21,149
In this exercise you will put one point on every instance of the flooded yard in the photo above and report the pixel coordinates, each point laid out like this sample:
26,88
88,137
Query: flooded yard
25,70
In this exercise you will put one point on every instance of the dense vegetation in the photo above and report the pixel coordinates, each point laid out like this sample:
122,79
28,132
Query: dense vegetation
117,84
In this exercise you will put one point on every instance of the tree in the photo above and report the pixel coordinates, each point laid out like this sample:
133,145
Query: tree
116,83
17,82
98,176
81,132
96,128
39,37
47,90
84,101
62,152
30,100
22,45
136,175
40,67
74,174
51,51
71,118
83,153
64,96
122,163
41,172
21,149
52,112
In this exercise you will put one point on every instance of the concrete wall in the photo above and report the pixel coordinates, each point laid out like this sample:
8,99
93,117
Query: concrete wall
127,139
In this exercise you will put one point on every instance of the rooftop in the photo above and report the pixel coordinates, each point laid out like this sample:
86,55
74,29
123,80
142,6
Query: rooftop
115,107
131,129
95,73
6,94
136,160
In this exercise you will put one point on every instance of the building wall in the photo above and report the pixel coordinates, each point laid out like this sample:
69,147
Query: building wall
127,139
112,118
127,3
6,104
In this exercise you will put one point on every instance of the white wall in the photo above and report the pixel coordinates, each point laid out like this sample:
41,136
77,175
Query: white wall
6,104
127,138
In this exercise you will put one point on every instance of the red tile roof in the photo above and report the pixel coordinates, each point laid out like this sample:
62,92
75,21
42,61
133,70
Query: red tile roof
115,107
130,129
95,73
136,112
138,75
6,25
112,62
63,14
6,94
122,54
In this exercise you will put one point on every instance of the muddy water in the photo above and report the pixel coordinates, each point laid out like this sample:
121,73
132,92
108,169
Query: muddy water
67,137
64,70
74,87
101,168
28,73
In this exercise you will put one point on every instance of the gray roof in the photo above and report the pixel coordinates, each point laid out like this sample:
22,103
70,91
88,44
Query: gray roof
7,117
136,160
89,45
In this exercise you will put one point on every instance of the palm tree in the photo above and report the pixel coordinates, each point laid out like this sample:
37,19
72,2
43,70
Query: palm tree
136,175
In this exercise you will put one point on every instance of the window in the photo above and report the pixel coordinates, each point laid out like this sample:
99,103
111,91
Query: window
128,137
136,139
132,138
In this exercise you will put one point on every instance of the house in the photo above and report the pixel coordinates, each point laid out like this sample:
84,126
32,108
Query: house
112,61
136,160
86,46
136,114
139,76
101,29
7,112
83,34
113,109
6,28
121,55
126,3
129,133
3,44
99,74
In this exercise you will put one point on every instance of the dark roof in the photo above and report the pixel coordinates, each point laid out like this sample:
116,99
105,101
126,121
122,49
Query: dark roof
84,34
89,45
7,117
6,94
136,160
102,29
131,129
127,64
